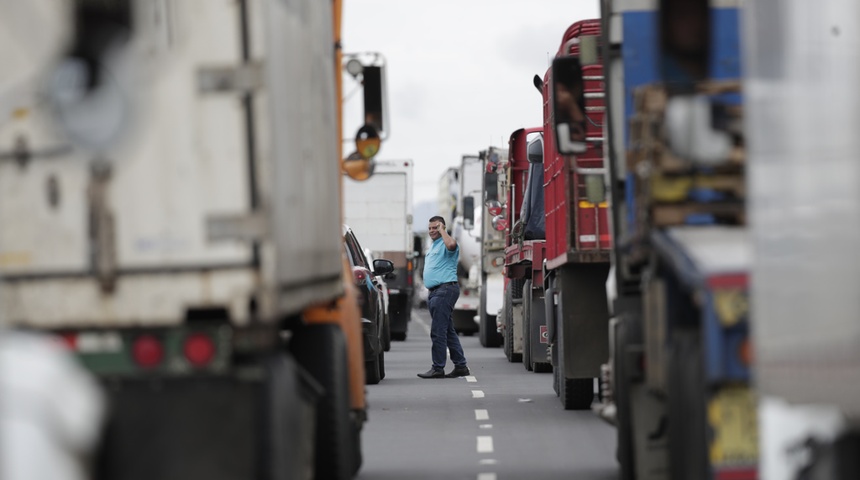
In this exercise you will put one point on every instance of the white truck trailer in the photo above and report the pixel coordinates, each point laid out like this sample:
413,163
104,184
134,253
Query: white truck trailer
379,211
804,213
168,206
459,188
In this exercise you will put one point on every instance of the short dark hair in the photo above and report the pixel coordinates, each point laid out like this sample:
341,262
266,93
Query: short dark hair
437,218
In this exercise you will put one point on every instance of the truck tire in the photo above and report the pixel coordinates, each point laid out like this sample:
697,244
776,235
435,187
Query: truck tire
381,365
527,324
398,336
372,371
688,456
321,351
574,393
509,325
490,337
624,451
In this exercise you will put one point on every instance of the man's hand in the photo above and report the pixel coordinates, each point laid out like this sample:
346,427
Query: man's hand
450,243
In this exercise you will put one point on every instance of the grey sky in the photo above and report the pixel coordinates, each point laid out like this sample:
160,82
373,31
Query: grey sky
459,72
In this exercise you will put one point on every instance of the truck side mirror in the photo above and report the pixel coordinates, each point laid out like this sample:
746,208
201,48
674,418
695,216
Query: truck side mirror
534,151
469,212
418,245
374,98
685,41
568,105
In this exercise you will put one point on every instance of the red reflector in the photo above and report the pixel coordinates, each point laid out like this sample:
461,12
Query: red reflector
69,340
739,474
409,280
199,349
465,292
147,351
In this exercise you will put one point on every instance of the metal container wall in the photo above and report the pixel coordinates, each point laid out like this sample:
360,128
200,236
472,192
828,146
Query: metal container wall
803,119
572,225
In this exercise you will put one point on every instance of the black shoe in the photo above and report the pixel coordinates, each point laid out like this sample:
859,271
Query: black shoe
459,372
433,373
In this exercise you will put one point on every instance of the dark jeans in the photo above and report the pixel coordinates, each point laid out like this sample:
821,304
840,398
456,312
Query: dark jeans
441,305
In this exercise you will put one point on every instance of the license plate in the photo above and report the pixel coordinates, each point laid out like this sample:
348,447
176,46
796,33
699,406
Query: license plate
732,416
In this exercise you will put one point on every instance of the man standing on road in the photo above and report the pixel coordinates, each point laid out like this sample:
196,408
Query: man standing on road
440,278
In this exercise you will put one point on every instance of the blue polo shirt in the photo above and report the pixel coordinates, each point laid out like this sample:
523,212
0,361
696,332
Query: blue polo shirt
440,264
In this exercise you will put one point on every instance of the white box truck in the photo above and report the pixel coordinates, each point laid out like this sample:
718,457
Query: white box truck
379,211
168,206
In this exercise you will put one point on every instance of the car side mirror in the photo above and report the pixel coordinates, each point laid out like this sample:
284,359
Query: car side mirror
568,105
382,266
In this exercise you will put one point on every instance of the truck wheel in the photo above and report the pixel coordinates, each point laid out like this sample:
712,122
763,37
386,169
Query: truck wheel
398,336
574,393
381,365
321,350
527,324
688,456
509,325
621,395
372,373
541,367
386,334
490,337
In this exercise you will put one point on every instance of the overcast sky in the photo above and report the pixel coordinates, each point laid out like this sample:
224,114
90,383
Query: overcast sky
459,72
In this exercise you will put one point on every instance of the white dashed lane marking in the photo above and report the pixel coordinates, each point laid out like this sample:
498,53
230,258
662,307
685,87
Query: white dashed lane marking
485,426
486,476
485,444
481,414
477,394
488,461
471,379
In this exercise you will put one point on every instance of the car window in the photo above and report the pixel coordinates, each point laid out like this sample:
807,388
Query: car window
354,251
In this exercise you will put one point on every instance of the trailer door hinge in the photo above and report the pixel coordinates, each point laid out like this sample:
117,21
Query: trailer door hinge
243,227
230,79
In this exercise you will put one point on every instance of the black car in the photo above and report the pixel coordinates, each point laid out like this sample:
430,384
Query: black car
371,302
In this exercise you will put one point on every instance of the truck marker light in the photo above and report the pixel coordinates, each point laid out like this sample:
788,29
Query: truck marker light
494,207
199,349
147,351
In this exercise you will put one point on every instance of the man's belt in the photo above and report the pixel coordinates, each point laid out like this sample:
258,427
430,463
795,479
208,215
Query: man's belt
432,289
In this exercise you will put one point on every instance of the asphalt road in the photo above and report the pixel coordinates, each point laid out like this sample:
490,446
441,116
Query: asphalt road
503,423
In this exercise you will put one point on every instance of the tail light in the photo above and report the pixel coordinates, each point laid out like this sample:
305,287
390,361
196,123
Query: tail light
70,340
147,351
360,275
499,223
199,349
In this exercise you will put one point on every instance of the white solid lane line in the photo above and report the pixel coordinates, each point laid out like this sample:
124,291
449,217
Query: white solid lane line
477,394
485,444
481,414
471,379
486,476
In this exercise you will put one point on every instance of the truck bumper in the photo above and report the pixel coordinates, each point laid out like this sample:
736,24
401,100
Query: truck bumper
253,423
